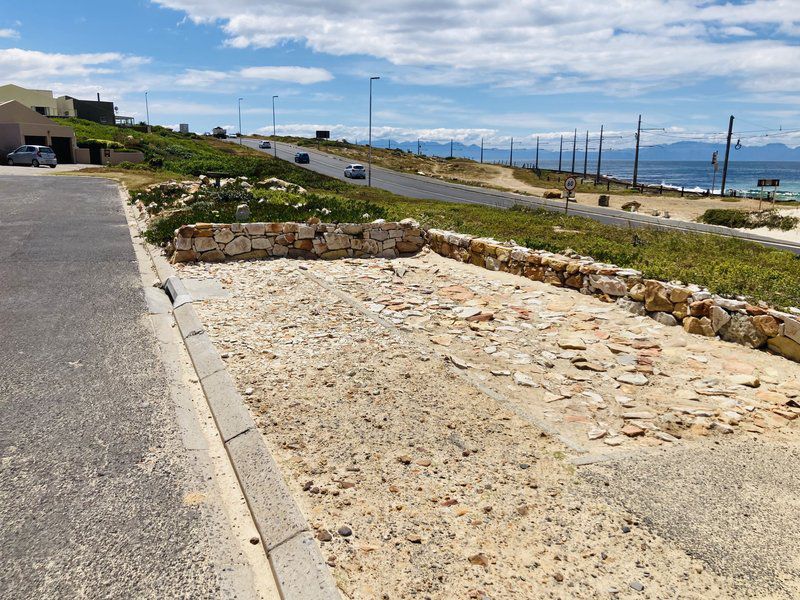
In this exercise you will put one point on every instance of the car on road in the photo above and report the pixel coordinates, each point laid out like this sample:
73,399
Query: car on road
302,158
355,171
264,145
33,156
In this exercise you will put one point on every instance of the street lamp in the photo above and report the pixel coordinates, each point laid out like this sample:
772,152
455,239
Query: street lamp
274,135
240,121
147,108
369,159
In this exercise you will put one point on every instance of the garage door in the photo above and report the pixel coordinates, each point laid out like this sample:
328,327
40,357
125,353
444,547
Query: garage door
36,140
62,146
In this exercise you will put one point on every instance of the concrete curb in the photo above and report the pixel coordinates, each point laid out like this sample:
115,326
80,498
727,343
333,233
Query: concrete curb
297,564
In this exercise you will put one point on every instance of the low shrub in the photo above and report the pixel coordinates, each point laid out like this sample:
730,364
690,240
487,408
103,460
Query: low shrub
741,219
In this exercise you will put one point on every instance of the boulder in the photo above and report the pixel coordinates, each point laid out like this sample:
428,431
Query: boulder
552,194
698,326
637,308
664,318
612,286
741,330
242,213
204,244
656,297
719,317
223,236
766,324
636,293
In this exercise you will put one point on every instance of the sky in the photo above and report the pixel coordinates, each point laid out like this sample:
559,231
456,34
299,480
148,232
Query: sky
460,69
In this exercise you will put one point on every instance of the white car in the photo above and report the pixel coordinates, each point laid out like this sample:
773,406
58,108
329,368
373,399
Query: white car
264,145
355,171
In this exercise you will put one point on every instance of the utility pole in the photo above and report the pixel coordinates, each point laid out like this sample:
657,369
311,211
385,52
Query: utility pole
451,148
560,150
727,155
574,142
511,156
586,154
274,136
240,121
599,156
417,146
537,153
636,155
147,108
369,167
481,150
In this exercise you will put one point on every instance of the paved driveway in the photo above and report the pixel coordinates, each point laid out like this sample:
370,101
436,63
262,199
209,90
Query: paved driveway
98,496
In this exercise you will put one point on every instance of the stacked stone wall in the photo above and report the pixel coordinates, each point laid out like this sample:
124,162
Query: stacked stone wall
695,309
216,242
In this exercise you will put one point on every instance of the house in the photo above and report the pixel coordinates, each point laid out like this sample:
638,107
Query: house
41,101
20,125
91,110
219,132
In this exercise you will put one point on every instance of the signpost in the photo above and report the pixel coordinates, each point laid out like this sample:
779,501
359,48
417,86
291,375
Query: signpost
569,186
322,135
716,168
773,183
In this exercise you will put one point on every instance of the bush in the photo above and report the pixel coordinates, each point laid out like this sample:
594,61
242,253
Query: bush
728,217
104,144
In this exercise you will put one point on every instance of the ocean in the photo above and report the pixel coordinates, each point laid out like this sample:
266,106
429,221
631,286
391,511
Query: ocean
698,175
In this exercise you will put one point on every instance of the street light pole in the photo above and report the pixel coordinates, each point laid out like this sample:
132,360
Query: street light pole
240,121
574,142
274,141
369,159
147,108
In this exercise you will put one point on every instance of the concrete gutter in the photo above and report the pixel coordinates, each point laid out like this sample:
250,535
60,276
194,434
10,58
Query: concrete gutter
297,564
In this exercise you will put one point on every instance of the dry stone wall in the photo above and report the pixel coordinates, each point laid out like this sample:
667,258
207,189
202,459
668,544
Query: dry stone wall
216,242
696,309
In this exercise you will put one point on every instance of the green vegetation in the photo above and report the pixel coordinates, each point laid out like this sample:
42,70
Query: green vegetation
771,219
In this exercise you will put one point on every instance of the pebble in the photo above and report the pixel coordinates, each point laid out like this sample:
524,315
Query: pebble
636,586
344,531
323,535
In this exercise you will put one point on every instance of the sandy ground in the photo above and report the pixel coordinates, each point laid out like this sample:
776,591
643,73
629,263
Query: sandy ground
429,417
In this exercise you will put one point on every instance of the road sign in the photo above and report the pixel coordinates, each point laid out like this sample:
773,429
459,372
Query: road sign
570,184
769,182
323,135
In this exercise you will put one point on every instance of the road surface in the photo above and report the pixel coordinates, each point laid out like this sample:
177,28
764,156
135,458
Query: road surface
99,495
417,186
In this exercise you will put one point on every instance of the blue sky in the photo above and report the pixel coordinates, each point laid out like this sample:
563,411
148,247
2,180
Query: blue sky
464,69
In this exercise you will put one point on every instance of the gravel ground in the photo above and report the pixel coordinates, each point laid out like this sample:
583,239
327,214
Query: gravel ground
415,444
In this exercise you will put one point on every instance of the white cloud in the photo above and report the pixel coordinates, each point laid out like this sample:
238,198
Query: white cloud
17,64
600,44
9,33
199,78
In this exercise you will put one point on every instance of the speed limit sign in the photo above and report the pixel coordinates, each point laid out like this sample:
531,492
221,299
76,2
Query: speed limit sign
570,183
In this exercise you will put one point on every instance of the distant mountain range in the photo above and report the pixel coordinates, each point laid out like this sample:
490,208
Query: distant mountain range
699,151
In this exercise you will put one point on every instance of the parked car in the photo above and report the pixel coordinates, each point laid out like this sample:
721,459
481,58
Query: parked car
33,156
302,158
265,145
355,171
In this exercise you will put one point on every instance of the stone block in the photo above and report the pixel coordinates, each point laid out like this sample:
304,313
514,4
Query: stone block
338,241
307,245
223,236
334,254
785,347
280,250
698,326
612,286
379,235
261,243
656,297
291,227
306,232
213,256
255,228
204,244
239,245
184,256
767,325
183,243
719,317
741,330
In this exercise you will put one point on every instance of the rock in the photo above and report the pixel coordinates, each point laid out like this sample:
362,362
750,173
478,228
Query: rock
701,326
414,538
404,459
767,325
239,245
571,344
524,380
636,586
740,330
204,244
780,345
636,293
465,312
595,433
639,415
677,295
719,317
637,308
665,437
442,340
616,440
323,535
632,430
344,531
656,297
664,318
223,236
461,364
479,559
632,379
242,213
552,194
612,286
748,380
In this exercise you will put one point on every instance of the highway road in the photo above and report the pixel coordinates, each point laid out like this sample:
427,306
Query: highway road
417,186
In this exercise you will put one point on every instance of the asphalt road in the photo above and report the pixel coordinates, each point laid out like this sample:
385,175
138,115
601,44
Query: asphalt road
94,478
416,186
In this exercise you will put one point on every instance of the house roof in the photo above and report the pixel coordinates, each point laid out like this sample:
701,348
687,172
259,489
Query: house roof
16,112
19,87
